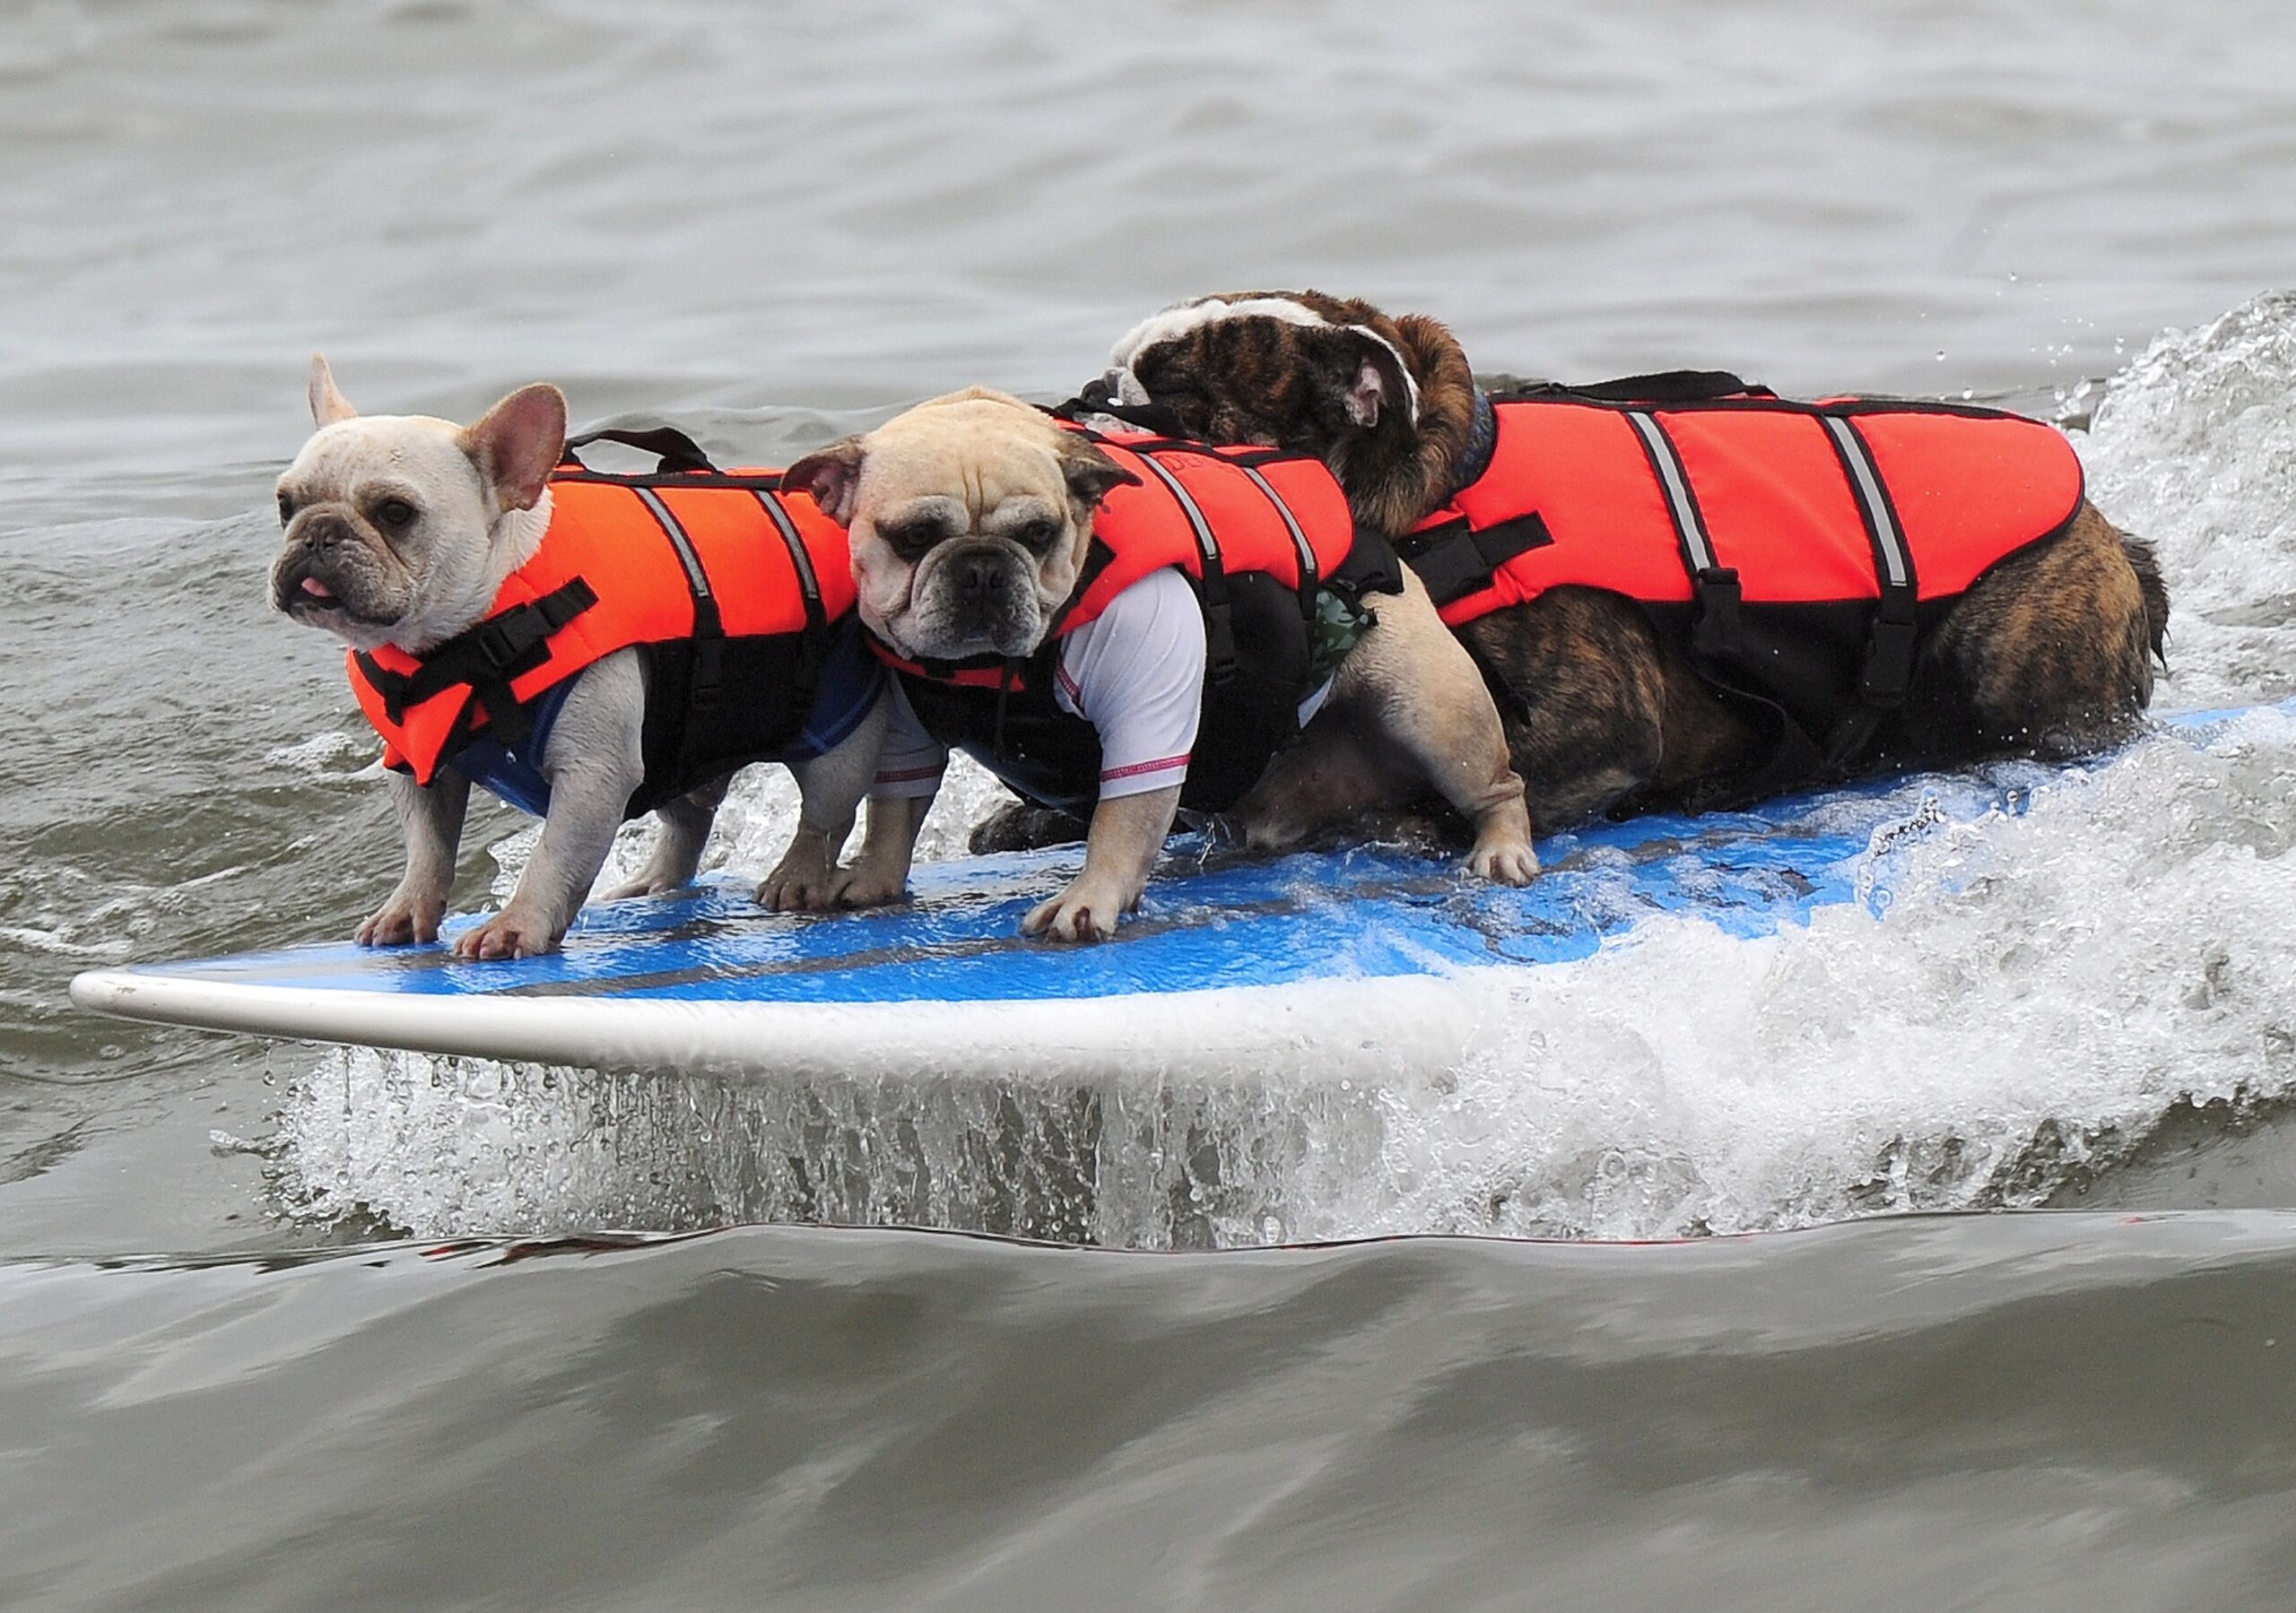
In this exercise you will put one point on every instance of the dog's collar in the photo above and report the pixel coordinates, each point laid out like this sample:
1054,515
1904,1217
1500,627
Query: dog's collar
1483,442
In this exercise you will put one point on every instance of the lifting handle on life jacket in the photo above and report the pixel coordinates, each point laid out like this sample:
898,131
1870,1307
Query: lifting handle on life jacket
1668,386
673,448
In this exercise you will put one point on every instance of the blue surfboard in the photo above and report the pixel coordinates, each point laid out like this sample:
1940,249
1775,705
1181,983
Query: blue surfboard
1370,959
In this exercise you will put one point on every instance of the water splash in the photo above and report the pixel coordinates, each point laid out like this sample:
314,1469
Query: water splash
2193,446
2047,984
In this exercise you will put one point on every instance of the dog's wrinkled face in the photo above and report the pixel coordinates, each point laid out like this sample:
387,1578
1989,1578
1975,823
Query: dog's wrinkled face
393,525
969,519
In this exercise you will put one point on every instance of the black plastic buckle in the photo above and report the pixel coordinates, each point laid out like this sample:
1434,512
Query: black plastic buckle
1219,643
1715,635
499,642
1450,564
708,688
1889,664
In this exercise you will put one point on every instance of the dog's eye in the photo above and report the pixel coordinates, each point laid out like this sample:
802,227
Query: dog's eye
286,509
1039,534
910,542
395,512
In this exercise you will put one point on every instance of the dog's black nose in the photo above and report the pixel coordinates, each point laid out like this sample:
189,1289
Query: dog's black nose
322,530
977,575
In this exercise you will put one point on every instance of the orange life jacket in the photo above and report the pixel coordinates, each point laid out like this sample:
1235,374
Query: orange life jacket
1261,536
734,589
1800,553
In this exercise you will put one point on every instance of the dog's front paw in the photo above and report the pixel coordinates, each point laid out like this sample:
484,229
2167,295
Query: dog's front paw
507,934
403,921
1511,864
803,882
1082,912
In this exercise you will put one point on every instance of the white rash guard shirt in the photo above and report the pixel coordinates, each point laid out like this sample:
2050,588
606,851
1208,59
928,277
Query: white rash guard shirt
1135,671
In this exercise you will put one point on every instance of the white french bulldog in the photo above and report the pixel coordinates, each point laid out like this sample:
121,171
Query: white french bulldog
400,530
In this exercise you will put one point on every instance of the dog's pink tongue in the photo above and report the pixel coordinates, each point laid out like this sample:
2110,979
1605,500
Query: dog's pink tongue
316,589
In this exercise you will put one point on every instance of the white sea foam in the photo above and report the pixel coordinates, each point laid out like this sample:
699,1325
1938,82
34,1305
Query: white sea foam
335,755
2194,447
2044,987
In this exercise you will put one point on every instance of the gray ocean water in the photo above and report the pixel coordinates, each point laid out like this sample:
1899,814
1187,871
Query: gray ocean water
281,1328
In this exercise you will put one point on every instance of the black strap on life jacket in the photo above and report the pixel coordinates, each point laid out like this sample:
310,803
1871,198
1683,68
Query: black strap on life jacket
1715,635
673,448
1659,387
1456,560
1305,552
487,657
814,650
1888,670
706,664
708,624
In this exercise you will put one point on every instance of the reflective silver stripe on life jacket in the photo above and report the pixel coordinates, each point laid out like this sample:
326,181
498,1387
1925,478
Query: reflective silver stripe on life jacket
1307,551
1716,639
800,561
1895,635
697,578
1890,552
1698,549
1206,545
707,683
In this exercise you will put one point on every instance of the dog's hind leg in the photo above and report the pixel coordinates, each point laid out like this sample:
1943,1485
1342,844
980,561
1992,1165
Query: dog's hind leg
678,843
830,788
2049,654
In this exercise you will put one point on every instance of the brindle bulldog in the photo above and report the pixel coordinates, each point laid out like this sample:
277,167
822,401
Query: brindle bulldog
2048,652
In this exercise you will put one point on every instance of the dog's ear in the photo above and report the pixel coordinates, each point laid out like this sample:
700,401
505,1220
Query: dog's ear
830,477
328,405
1369,378
518,443
1091,474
